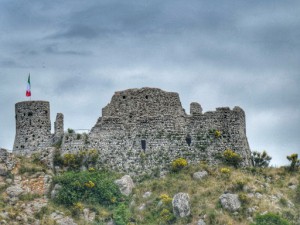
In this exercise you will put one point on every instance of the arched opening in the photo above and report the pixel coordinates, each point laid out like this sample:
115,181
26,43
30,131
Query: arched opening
188,140
30,114
146,96
124,97
143,143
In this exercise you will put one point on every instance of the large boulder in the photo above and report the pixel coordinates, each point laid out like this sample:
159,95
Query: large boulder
200,175
55,191
230,202
125,185
14,191
201,222
181,205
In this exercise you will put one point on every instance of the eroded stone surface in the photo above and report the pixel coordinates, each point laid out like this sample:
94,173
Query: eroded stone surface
125,184
181,205
200,175
230,202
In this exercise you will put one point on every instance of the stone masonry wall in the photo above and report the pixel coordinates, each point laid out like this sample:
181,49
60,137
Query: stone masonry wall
33,126
143,130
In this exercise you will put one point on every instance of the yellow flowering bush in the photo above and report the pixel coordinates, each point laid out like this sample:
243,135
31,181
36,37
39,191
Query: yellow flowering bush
89,184
92,169
225,171
78,206
69,159
179,164
166,199
113,199
217,133
232,158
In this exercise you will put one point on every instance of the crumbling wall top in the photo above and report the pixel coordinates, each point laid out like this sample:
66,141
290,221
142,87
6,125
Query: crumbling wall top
135,103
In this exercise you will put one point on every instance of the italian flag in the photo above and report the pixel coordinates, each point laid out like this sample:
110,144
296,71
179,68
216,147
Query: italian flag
28,90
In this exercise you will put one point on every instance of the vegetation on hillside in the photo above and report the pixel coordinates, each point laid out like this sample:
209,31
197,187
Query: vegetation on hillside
267,195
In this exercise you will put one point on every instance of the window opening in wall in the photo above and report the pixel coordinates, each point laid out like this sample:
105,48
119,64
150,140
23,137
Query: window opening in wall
26,139
22,146
188,140
46,112
30,122
124,96
143,142
30,114
146,97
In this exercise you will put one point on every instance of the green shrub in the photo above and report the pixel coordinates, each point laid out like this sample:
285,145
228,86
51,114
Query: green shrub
293,158
30,170
260,159
121,214
179,164
29,197
70,131
270,219
166,216
57,158
87,187
40,214
244,198
239,185
232,158
74,161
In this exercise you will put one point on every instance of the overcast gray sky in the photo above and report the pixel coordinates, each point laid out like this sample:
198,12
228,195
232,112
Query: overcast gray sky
218,53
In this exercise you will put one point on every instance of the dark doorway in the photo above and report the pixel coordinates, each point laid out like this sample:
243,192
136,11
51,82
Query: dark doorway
188,140
143,142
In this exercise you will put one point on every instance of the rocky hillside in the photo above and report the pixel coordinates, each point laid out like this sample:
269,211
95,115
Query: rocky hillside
37,190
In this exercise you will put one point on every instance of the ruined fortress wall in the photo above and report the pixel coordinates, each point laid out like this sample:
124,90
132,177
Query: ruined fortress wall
140,131
144,130
33,126
232,127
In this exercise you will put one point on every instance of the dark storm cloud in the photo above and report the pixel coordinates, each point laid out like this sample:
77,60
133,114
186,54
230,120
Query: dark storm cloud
215,52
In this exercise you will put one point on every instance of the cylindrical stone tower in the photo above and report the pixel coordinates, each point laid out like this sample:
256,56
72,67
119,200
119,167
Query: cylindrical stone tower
33,126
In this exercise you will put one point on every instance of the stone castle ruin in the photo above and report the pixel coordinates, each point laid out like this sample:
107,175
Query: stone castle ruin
140,131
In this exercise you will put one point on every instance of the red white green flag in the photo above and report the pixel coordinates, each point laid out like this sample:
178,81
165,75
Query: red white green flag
28,90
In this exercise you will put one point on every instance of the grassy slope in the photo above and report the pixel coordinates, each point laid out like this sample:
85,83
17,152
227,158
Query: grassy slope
271,183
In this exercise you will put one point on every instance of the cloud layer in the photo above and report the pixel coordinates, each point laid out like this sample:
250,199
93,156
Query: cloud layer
215,52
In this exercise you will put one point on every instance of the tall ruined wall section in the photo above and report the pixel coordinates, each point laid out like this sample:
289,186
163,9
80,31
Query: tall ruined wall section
143,130
33,126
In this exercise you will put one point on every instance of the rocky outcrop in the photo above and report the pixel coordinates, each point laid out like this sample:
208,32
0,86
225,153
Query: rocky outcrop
125,185
181,205
200,175
201,222
230,202
61,219
7,161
